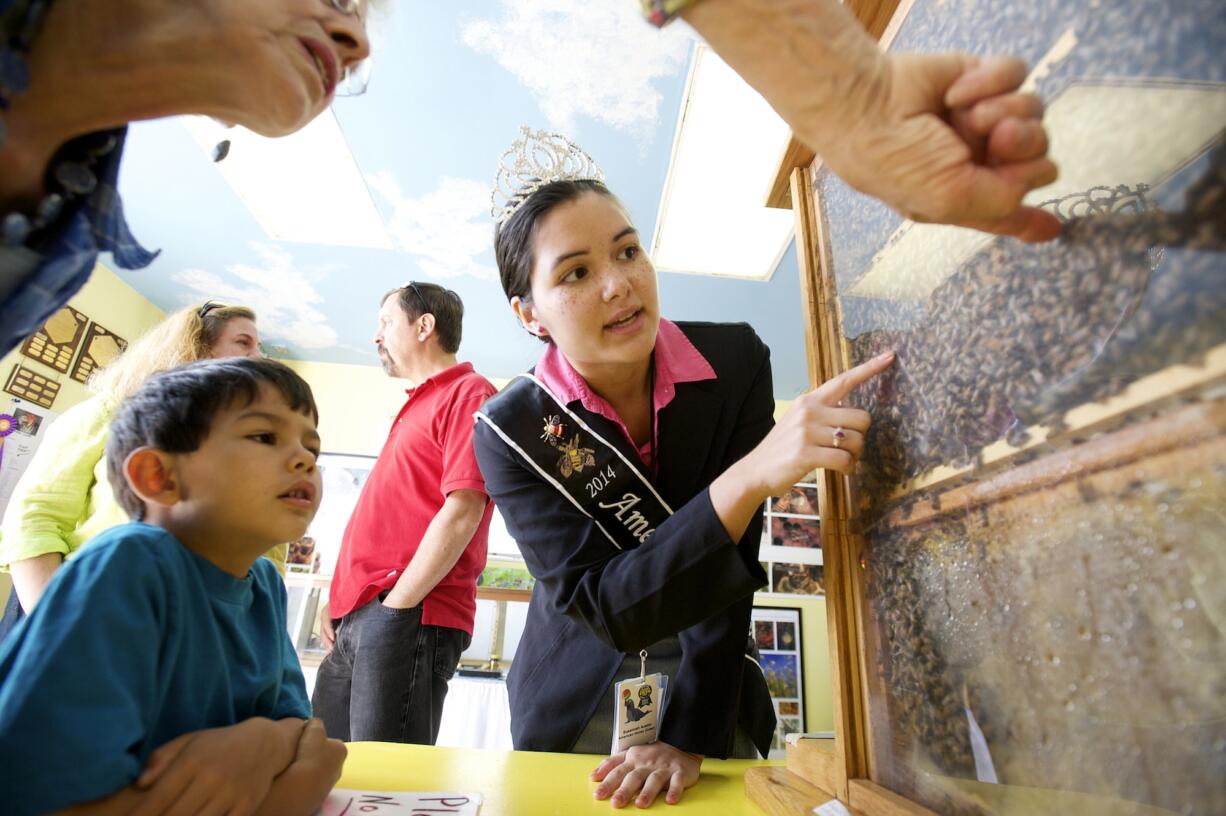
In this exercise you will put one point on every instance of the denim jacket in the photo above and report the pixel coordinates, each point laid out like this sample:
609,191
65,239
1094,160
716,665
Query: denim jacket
65,261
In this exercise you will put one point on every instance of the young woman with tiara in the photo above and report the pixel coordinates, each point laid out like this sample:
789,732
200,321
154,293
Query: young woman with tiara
631,466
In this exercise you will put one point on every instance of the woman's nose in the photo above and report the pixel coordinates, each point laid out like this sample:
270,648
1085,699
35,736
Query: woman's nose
615,283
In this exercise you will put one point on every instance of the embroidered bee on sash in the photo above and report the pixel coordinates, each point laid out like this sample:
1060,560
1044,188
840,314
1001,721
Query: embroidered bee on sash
574,458
553,430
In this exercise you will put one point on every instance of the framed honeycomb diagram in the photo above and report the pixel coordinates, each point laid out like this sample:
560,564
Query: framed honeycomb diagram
31,385
56,343
99,349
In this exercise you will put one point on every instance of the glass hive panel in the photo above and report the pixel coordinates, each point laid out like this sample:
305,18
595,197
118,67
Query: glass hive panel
1043,496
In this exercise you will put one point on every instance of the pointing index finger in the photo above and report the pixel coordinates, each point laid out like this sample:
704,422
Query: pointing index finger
835,389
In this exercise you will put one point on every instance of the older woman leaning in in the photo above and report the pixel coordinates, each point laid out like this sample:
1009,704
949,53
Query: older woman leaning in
74,73
64,498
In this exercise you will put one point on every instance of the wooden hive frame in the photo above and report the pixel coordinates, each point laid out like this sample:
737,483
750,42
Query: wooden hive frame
820,770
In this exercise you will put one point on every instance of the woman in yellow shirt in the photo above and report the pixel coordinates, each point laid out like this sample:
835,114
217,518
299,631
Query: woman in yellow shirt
64,498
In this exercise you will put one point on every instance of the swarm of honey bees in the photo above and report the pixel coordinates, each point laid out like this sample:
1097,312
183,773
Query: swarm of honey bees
1086,638
1021,334
1086,635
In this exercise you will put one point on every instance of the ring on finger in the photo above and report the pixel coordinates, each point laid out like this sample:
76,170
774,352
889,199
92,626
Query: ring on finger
839,435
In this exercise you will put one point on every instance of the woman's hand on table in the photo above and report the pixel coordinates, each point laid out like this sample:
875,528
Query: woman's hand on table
642,772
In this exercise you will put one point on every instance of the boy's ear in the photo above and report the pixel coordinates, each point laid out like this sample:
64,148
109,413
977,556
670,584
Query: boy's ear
151,475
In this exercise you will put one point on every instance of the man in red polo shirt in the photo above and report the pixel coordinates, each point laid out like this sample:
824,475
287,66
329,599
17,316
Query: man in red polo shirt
404,594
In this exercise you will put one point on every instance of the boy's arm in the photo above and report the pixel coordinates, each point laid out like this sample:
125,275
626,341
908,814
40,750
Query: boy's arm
124,802
79,680
231,769
308,780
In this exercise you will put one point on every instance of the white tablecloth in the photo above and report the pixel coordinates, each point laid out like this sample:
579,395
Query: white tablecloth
476,714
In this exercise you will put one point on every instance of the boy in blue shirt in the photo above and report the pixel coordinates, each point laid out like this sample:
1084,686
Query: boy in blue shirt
156,674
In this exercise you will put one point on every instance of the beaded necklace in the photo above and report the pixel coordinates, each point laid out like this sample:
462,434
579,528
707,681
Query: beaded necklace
70,174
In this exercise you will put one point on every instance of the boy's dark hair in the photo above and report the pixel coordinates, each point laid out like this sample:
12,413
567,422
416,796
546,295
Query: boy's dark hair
418,298
174,411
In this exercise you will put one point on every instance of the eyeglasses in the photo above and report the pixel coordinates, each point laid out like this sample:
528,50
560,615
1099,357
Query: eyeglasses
425,307
209,305
354,78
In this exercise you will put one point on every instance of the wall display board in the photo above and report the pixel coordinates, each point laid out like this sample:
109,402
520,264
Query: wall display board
100,348
1028,572
791,551
56,343
23,426
776,633
30,385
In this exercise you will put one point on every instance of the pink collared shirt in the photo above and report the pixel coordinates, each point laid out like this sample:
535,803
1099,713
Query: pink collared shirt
677,361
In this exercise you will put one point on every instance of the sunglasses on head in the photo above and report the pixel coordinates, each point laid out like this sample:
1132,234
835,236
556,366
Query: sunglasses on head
425,307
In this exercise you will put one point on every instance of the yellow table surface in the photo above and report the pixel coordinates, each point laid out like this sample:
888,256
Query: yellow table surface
527,783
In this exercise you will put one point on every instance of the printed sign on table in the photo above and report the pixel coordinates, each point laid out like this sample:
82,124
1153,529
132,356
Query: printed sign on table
344,802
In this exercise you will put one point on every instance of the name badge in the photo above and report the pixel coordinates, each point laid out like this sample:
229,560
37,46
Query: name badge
637,704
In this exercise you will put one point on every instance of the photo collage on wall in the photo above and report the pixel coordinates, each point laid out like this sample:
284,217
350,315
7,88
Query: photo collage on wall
776,633
791,551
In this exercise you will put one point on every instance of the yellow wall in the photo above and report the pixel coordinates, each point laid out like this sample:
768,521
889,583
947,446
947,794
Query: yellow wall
112,303
356,404
814,655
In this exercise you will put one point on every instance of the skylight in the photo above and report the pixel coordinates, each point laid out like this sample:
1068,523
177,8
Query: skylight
712,219
305,187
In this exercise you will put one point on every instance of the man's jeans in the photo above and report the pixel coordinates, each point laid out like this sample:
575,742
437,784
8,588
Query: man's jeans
386,676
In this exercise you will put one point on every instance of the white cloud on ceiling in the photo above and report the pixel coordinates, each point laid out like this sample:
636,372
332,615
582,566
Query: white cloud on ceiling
597,58
447,229
283,298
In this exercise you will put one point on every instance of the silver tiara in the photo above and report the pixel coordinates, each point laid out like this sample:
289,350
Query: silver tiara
539,158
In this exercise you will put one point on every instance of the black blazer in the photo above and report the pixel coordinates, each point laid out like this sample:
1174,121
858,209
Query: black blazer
593,603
